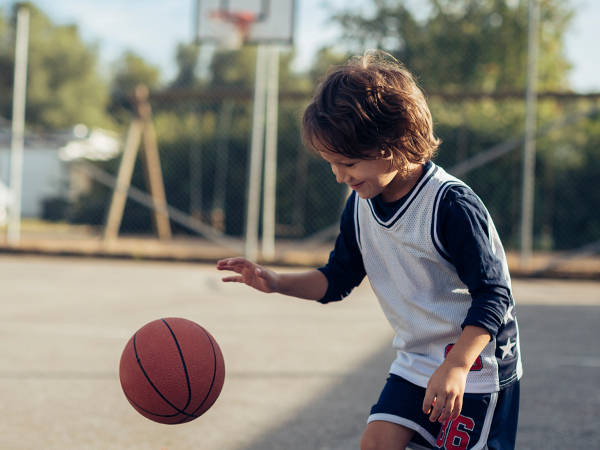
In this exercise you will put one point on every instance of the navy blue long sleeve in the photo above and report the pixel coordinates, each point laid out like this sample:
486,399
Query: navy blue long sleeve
464,233
345,269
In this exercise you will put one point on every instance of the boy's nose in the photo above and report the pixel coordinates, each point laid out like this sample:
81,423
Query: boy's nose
340,175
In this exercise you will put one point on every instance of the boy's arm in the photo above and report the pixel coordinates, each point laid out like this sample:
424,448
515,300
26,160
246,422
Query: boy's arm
446,386
464,233
345,268
343,272
310,285
464,229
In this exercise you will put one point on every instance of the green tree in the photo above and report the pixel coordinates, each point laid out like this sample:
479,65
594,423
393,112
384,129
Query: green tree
187,60
325,58
131,70
233,69
63,86
465,45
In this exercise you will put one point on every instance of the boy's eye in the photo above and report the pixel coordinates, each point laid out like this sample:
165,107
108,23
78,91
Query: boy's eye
350,165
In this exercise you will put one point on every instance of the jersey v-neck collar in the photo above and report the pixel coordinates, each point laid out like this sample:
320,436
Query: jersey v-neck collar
388,213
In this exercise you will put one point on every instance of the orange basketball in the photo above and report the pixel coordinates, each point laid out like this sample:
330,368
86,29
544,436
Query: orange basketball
172,371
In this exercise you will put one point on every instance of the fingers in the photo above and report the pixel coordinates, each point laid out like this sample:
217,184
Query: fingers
438,407
223,262
444,408
249,273
237,279
428,401
447,411
457,408
235,264
240,260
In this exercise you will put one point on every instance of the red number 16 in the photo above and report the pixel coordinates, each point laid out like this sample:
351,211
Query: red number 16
453,435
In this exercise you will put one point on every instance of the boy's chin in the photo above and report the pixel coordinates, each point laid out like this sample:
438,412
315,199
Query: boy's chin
365,195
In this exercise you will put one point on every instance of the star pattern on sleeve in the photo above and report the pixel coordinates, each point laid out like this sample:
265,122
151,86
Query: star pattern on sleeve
508,316
508,348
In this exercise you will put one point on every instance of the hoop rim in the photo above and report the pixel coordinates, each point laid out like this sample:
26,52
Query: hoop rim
215,23
234,16
241,20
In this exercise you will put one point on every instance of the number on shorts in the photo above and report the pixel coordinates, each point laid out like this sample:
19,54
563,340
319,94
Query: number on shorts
453,435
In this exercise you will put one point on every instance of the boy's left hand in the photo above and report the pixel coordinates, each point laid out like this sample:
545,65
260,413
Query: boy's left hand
446,386
445,391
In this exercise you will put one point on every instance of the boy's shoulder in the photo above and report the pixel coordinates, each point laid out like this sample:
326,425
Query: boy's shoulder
456,200
461,194
453,190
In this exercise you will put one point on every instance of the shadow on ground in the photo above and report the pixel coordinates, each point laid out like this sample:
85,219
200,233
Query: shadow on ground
560,397
337,420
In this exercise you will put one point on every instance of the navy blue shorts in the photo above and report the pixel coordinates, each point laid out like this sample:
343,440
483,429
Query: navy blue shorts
485,419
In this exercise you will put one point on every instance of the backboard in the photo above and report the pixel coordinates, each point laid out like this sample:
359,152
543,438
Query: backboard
262,21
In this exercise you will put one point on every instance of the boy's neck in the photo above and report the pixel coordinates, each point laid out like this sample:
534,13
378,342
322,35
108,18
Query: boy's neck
401,185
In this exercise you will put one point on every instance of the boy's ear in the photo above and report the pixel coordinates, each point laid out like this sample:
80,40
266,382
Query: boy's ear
386,154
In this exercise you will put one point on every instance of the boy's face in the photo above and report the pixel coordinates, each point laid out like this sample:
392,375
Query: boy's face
368,177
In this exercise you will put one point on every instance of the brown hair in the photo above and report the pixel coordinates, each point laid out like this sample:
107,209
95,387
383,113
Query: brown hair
368,108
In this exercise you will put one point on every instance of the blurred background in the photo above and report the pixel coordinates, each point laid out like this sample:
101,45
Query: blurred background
85,60
122,134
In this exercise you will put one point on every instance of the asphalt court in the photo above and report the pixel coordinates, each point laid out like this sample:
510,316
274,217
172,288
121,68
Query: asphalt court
300,376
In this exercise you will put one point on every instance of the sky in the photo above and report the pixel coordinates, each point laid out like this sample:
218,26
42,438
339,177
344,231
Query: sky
153,28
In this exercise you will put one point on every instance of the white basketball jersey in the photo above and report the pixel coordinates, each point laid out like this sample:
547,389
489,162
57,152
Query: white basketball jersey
420,291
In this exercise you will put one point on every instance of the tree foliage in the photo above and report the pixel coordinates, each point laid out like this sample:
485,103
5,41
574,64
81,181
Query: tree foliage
131,70
187,61
64,86
465,45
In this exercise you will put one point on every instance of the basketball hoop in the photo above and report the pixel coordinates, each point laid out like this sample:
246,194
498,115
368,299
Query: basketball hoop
239,24
233,23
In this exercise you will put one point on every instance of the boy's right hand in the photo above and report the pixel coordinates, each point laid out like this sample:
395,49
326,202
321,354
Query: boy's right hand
250,273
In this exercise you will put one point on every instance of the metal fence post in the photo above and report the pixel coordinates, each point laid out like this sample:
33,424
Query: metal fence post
270,181
530,135
256,154
18,127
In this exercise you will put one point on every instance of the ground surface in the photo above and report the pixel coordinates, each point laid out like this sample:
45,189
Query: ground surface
300,376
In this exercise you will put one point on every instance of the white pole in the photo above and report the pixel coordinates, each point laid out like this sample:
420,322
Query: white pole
270,181
530,132
256,154
18,127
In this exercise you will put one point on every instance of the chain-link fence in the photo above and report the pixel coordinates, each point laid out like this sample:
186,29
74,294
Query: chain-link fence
485,150
470,61
204,138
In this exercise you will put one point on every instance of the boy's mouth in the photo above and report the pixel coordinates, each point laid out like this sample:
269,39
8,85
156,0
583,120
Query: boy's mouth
356,186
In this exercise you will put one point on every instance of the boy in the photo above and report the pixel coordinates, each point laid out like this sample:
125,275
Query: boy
432,256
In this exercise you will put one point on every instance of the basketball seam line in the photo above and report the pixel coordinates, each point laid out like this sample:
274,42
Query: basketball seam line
154,414
187,378
179,411
214,376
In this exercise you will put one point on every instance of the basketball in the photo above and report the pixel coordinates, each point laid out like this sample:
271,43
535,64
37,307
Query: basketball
172,371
